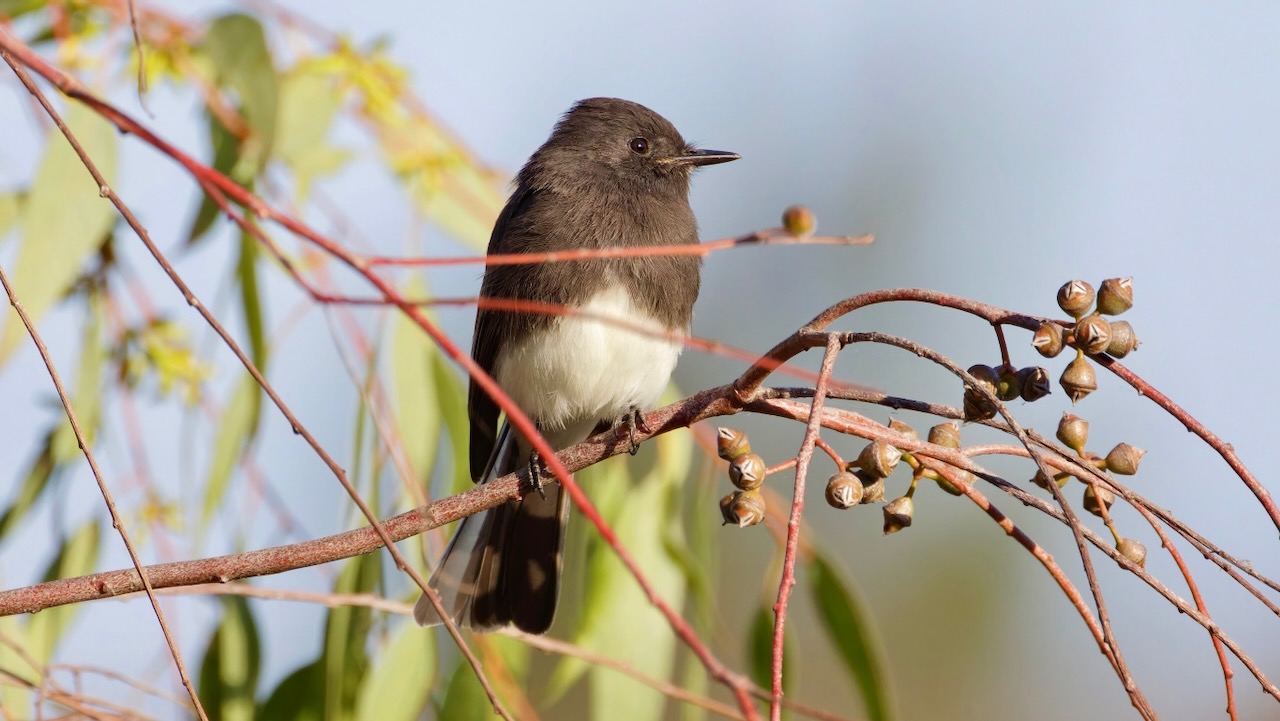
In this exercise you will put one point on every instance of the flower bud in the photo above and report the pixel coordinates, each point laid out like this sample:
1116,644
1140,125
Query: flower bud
1073,431
897,514
1079,379
1115,296
747,471
1123,340
1095,497
799,221
946,435
904,429
1075,298
879,459
977,403
1049,339
844,490
731,443
1092,333
1133,550
744,508
1123,460
1035,383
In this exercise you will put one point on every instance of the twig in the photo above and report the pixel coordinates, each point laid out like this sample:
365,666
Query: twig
788,580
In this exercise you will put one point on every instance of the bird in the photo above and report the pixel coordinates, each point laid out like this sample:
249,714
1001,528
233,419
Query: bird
612,174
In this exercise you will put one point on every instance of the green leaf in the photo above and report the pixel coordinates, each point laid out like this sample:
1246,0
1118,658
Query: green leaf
226,151
87,397
10,211
296,698
452,397
418,406
760,650
251,300
399,687
309,101
345,661
33,486
850,629
237,46
12,695
464,699
64,222
236,428
13,9
229,672
76,557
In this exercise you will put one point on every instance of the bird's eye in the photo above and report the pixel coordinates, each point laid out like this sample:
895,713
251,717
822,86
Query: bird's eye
639,145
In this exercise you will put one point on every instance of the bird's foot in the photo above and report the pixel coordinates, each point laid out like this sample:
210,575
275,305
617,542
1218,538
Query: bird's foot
631,420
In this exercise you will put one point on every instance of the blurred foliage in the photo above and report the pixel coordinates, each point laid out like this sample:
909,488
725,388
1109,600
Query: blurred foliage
270,113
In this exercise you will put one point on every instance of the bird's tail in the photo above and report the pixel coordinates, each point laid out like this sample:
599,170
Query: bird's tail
503,565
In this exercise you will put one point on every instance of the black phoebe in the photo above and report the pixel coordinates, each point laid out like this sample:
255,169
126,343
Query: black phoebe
612,174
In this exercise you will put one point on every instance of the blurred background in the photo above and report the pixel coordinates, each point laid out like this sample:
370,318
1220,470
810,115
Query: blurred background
995,151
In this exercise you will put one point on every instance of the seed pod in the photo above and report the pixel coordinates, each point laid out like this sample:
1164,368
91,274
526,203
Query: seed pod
1009,385
844,490
1093,494
1123,340
977,403
946,435
747,471
904,429
1133,550
872,488
1058,478
1079,379
1075,298
1049,339
731,443
1035,383
1073,431
1092,333
799,221
879,458
1115,296
1123,460
898,514
960,474
726,510
746,508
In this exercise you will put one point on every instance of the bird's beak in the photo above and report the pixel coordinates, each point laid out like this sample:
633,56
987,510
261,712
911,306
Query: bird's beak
697,158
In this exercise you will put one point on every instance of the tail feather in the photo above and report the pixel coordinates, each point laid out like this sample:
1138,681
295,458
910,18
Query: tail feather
503,565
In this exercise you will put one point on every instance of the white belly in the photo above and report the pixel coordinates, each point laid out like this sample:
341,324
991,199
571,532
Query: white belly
580,370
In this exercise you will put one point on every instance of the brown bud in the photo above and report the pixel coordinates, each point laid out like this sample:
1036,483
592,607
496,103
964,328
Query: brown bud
799,221
726,510
1115,296
747,471
1124,459
1094,493
1092,333
903,428
1035,383
879,458
945,434
1075,298
897,514
844,490
1073,431
731,443
1079,379
1049,339
1133,550
746,508
1123,340
977,401
872,488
